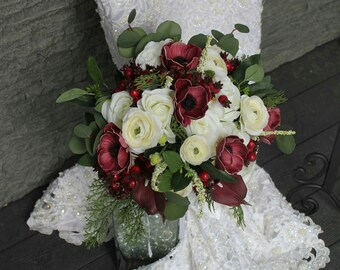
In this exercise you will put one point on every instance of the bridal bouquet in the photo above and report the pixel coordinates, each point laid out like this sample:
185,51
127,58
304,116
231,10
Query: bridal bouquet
182,118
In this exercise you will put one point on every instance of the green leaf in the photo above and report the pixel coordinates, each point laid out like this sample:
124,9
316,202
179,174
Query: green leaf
87,160
240,71
77,145
170,29
94,127
216,173
128,39
132,16
71,95
174,211
241,28
173,160
100,102
145,40
89,146
199,40
100,121
86,100
97,140
217,34
286,143
230,44
176,206
254,73
89,118
82,131
164,184
175,198
179,181
94,71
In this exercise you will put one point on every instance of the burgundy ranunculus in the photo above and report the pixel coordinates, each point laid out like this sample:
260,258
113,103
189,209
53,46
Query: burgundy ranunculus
230,154
112,152
179,55
231,194
191,102
273,123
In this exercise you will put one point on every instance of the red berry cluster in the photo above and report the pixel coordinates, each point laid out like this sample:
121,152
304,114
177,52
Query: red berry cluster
252,149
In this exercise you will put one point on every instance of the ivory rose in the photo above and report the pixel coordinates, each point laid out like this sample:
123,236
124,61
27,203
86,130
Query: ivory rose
254,115
195,150
114,109
141,130
159,103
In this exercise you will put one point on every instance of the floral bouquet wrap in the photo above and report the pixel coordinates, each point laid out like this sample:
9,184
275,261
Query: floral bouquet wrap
183,118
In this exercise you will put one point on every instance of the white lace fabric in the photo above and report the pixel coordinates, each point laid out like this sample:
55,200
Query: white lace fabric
275,236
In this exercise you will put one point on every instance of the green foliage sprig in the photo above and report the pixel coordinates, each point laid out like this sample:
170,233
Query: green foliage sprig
101,209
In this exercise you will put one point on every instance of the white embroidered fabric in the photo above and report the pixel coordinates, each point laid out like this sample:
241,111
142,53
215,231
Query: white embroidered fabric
275,236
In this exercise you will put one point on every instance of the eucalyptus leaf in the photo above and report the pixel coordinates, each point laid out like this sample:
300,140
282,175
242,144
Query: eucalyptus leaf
87,160
97,140
179,181
82,131
241,28
94,127
199,40
254,73
89,146
170,29
164,184
77,145
173,160
128,39
217,34
216,173
100,102
94,71
71,95
238,74
286,143
132,16
145,40
230,44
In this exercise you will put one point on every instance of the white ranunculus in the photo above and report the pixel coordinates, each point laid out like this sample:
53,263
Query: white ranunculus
195,150
151,54
254,115
114,109
213,61
159,103
223,114
209,127
141,130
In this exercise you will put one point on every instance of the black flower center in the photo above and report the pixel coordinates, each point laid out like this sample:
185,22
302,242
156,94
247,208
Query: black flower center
189,102
181,60
114,149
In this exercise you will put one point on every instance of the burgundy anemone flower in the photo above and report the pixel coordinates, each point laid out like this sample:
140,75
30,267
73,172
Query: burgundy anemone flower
112,151
230,154
191,102
273,123
180,56
231,194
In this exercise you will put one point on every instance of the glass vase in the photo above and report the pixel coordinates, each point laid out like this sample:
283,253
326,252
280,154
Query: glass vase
157,241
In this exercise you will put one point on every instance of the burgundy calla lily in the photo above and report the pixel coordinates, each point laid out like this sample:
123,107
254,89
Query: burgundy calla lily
191,102
231,194
152,202
179,56
273,123
230,154
112,152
